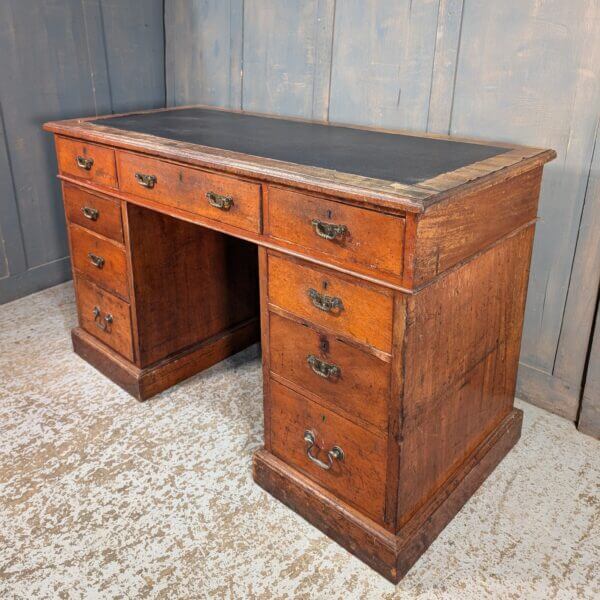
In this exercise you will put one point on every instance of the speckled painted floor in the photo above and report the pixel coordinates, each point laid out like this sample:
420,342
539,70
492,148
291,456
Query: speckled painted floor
103,497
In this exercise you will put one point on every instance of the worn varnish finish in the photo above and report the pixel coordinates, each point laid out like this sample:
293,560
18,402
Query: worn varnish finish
391,311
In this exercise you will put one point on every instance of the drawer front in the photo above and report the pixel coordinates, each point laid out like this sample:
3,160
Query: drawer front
101,260
345,376
86,161
96,213
358,310
104,316
349,235
359,478
224,199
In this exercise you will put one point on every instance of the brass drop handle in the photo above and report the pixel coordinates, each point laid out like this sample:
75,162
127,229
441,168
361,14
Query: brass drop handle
219,201
336,453
147,181
322,368
102,324
325,303
84,163
90,213
97,261
329,231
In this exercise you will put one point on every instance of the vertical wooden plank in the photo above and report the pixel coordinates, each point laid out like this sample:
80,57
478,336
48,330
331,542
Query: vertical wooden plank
528,72
134,44
382,62
280,54
12,250
575,335
203,52
589,417
45,73
447,41
325,16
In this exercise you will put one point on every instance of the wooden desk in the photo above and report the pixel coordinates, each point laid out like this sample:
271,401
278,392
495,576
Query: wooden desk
393,271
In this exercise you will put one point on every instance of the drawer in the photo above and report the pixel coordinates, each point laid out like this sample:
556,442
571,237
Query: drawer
101,260
352,308
104,316
346,234
359,478
225,199
96,213
86,161
349,378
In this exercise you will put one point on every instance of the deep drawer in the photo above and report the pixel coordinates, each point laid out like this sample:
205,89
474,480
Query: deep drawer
104,316
225,199
352,308
86,161
359,478
348,235
101,260
349,378
96,213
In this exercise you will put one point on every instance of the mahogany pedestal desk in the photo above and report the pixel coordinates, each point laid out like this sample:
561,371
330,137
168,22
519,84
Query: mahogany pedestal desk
384,272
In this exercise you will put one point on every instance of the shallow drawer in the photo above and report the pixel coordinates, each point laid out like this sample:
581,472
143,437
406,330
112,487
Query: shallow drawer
86,161
359,478
96,213
347,234
218,197
104,316
352,308
341,374
101,260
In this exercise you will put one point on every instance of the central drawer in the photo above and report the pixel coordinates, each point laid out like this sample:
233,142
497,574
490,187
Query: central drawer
358,478
352,380
229,200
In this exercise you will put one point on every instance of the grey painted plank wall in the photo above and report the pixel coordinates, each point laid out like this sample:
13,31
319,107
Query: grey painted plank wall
521,70
60,59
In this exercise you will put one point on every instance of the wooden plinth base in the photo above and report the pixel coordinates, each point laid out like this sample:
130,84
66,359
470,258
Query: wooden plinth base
389,554
144,383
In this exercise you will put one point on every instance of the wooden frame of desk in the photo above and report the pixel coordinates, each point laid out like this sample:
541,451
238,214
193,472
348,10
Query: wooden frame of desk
390,311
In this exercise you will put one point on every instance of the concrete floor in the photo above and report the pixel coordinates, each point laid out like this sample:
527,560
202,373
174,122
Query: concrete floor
103,497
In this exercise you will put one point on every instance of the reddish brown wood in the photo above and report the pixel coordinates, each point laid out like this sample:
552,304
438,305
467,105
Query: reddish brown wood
186,188
366,311
462,345
102,171
390,555
103,213
359,478
452,231
211,279
432,279
94,306
111,272
374,241
361,389
145,383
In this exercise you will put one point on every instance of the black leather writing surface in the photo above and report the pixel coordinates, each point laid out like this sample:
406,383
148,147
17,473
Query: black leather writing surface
393,157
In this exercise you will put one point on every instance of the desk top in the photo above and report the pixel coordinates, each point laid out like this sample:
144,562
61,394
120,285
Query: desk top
400,170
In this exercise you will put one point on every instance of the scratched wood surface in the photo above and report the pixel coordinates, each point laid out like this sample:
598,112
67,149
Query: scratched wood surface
62,58
523,71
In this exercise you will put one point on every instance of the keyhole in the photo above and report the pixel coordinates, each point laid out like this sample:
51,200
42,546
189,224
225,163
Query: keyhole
325,284
329,214
324,345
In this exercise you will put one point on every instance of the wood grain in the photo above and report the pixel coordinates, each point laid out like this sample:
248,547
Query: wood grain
185,188
359,478
112,274
373,240
366,313
361,389
107,221
117,333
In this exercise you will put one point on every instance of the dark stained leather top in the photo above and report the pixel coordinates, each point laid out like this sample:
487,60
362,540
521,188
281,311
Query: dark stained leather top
399,158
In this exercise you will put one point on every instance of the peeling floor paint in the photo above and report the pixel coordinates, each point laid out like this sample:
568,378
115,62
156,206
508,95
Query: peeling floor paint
104,497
